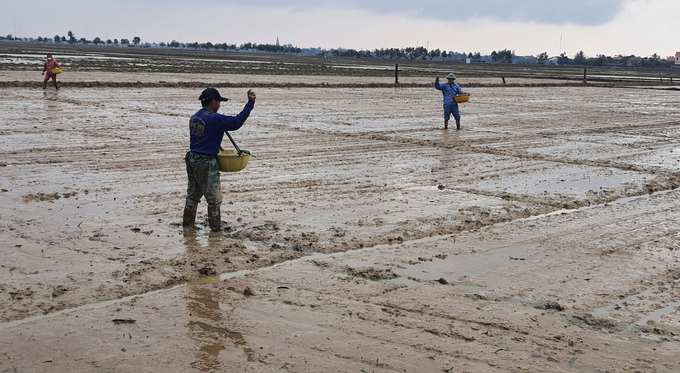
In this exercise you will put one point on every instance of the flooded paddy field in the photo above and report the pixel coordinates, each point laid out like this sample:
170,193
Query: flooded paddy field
542,236
112,64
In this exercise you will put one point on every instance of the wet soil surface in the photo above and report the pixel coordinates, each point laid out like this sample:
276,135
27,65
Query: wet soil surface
542,236
109,79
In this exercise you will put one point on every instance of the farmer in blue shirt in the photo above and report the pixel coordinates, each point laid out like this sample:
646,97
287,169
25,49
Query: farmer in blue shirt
449,90
207,129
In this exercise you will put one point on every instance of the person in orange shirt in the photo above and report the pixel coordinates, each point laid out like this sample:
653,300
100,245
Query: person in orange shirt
50,64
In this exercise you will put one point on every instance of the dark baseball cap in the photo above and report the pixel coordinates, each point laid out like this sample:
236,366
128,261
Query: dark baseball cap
210,94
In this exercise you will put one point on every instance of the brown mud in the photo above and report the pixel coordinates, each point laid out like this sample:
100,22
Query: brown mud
543,236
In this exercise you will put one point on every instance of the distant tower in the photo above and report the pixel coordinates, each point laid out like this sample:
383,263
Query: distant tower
277,41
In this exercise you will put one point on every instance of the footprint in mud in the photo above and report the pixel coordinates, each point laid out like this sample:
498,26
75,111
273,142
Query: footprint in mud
21,294
371,273
59,290
50,197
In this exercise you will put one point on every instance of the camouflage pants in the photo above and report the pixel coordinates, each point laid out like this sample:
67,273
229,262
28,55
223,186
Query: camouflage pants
204,180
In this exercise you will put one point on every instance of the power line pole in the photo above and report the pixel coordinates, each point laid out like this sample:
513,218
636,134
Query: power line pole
560,44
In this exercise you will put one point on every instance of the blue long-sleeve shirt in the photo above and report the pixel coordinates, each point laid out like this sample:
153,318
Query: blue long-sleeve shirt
449,91
207,128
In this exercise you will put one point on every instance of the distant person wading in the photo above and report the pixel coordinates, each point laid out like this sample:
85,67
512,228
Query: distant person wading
50,64
207,129
449,90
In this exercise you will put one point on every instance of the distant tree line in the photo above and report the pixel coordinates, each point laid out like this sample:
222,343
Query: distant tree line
581,59
271,48
409,53
202,46
70,38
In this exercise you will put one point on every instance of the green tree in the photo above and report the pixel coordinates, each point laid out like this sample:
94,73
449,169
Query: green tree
563,59
97,41
420,53
124,41
503,56
136,40
542,57
71,37
57,38
580,58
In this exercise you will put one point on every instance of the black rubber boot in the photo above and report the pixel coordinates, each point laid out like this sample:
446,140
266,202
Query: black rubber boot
189,216
214,218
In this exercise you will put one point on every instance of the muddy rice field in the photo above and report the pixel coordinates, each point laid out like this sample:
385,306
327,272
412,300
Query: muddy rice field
363,237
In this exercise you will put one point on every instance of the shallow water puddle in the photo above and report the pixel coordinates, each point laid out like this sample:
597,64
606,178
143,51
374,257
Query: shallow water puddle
568,181
454,268
500,257
208,280
642,297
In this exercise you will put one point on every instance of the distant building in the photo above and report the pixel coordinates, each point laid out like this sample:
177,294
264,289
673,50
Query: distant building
677,58
633,62
277,41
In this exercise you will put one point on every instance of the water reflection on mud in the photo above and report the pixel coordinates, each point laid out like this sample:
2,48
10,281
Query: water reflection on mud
208,316
196,239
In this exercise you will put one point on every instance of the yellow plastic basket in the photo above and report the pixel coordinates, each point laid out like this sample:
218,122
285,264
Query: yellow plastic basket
57,70
462,98
231,161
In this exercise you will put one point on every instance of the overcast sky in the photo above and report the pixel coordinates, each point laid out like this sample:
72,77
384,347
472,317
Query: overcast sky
610,27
